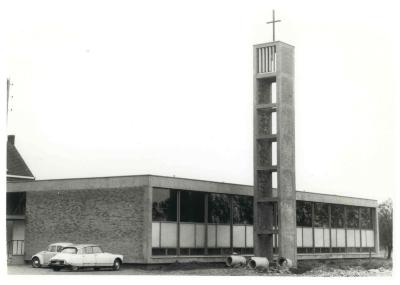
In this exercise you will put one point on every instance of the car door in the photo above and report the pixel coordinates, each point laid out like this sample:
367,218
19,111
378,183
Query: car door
51,251
101,259
89,259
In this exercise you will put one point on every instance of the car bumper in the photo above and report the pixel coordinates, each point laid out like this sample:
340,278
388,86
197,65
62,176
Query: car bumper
66,266
61,265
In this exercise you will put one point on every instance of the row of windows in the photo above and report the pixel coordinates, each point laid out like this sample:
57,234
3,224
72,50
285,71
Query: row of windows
340,214
193,205
334,249
201,251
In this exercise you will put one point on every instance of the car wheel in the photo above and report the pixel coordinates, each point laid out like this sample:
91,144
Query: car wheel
74,268
117,265
36,262
56,269
97,268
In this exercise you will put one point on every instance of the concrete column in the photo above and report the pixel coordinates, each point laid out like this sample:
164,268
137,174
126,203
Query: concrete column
345,228
178,219
286,152
359,228
313,225
375,220
147,221
330,226
206,223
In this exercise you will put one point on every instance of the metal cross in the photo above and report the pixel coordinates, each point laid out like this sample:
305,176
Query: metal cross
273,24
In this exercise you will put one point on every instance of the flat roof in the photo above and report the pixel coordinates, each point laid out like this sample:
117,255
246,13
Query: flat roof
148,180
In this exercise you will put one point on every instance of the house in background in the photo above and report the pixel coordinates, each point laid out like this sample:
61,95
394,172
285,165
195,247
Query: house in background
17,171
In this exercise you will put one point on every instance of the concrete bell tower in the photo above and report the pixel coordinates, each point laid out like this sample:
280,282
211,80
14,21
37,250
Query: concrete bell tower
274,151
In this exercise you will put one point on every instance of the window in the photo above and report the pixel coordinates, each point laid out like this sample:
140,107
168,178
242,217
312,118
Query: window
53,248
366,218
321,215
192,206
242,209
97,249
218,208
305,250
337,216
59,248
352,217
164,204
163,251
70,250
88,250
16,203
303,213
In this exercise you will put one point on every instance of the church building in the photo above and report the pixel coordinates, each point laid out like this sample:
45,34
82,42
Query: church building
157,219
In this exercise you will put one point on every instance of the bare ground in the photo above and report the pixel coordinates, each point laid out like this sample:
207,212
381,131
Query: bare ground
328,268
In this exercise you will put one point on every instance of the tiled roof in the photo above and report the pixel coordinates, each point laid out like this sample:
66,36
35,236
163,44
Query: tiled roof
15,163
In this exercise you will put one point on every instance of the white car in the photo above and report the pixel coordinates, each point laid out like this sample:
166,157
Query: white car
85,255
43,258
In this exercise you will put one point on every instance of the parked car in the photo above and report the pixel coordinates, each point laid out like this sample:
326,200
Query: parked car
43,258
85,255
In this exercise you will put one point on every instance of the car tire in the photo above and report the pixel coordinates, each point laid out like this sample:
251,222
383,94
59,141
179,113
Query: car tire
97,268
117,264
56,269
36,262
74,268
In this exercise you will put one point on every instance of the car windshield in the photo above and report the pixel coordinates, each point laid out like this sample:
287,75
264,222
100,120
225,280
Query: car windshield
70,250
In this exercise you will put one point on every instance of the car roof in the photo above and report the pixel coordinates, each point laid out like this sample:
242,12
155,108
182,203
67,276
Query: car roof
82,245
61,244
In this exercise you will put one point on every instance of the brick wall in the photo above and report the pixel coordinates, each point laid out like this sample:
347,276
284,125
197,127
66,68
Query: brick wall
112,218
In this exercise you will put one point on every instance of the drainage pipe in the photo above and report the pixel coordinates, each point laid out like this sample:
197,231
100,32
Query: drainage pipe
285,262
234,260
258,263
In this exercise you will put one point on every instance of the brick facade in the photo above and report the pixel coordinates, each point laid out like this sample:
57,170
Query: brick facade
113,218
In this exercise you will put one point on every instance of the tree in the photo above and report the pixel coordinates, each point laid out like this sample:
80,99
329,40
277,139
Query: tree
386,225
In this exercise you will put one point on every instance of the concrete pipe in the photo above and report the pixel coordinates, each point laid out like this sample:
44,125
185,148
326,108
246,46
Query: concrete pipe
285,262
258,263
235,260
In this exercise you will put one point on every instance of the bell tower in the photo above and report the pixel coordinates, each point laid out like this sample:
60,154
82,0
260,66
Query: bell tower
274,151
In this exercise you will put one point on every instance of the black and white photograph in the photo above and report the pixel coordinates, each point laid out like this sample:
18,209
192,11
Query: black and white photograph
199,139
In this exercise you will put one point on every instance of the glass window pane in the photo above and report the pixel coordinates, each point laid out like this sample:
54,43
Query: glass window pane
97,249
321,215
88,250
337,216
366,218
16,203
164,204
303,213
192,206
352,217
242,209
218,208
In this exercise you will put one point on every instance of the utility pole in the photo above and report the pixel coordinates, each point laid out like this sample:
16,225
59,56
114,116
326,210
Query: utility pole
9,84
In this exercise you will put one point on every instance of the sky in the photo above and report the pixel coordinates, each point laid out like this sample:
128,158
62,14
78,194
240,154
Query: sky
106,88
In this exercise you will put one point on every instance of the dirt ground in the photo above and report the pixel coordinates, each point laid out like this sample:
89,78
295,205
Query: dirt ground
350,267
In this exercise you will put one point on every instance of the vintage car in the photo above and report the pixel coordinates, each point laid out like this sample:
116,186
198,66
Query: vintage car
43,258
85,255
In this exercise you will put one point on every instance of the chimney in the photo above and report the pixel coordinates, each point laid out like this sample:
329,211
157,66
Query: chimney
11,139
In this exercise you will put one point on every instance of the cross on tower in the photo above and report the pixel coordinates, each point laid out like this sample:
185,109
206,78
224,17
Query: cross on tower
273,24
